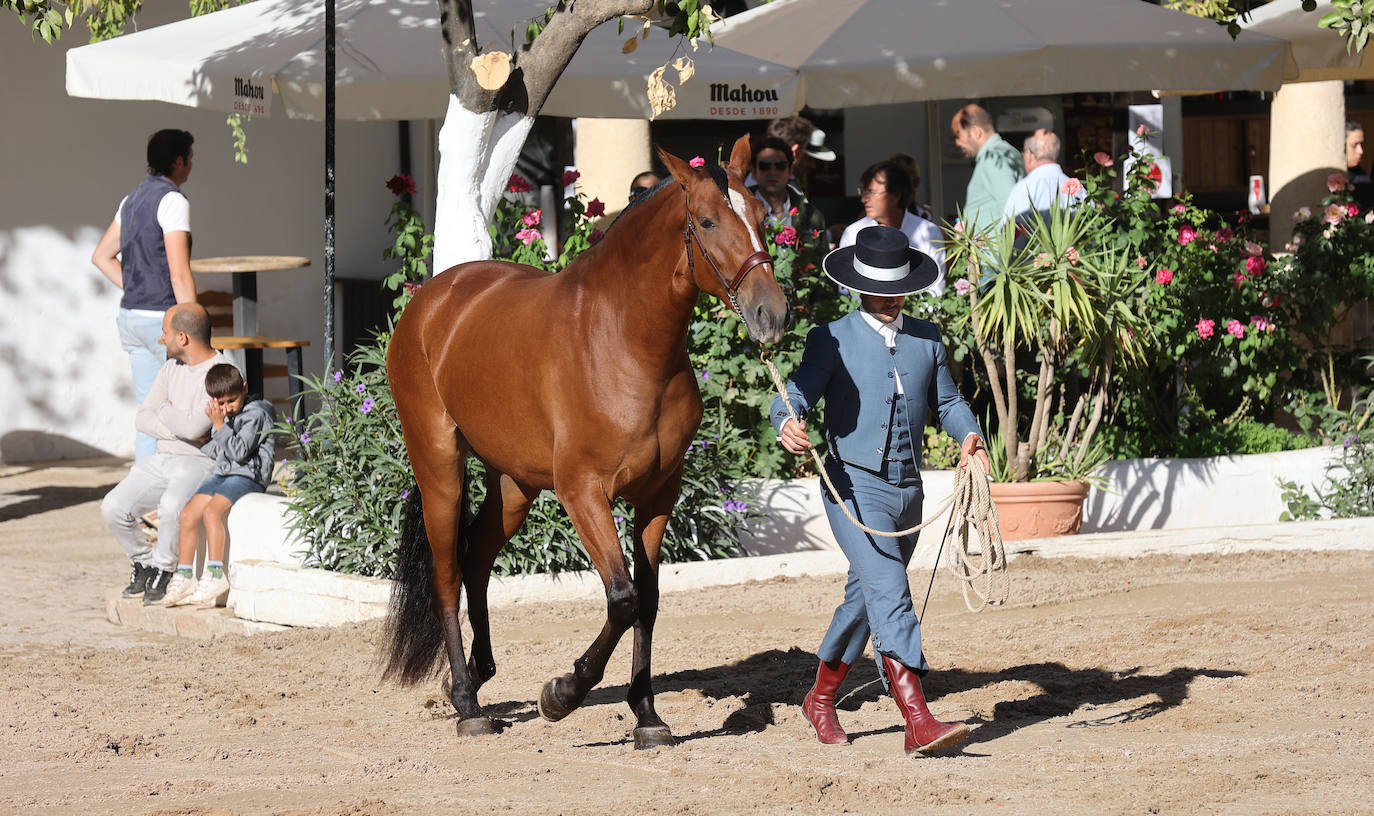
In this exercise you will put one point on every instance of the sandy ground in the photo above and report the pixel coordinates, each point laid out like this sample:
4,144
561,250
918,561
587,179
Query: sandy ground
1236,684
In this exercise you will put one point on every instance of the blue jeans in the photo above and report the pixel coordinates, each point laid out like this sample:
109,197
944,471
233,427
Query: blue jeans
139,332
877,597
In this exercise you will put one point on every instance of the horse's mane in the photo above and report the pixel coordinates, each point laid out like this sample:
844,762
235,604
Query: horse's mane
717,175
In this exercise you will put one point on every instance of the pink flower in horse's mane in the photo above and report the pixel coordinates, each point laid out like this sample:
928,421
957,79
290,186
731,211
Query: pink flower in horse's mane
697,161
401,185
1336,182
528,235
1236,328
1164,277
570,177
1103,159
1238,279
518,184
1071,187
1255,264
1204,328
595,236
531,218
791,212
1225,234
787,236
962,286
596,208
1186,235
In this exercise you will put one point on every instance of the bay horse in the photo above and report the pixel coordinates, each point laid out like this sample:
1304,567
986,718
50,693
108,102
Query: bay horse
577,382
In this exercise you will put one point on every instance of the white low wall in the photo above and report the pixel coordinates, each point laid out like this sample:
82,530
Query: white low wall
793,537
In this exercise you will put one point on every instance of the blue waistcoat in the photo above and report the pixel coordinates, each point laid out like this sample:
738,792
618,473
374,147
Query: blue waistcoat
143,253
847,364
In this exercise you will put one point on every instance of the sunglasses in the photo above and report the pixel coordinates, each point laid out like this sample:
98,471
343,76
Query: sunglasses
780,164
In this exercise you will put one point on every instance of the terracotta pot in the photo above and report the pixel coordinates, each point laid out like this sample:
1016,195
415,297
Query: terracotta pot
1039,509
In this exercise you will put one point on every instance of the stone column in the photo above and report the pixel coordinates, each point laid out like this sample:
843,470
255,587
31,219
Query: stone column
609,153
1306,144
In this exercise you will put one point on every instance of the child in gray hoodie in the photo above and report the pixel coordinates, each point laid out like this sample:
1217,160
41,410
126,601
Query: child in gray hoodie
242,448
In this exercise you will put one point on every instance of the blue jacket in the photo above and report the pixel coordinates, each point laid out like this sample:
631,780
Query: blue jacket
847,364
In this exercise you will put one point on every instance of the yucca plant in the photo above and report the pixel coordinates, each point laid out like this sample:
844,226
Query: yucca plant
1060,288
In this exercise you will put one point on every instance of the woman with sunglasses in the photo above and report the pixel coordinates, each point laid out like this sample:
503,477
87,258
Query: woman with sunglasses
885,191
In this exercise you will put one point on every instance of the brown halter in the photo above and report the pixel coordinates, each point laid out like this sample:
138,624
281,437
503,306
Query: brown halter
689,234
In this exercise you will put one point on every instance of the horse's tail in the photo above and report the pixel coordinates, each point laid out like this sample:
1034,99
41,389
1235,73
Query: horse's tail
414,636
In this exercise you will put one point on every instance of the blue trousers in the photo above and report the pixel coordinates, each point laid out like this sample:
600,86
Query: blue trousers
877,597
140,332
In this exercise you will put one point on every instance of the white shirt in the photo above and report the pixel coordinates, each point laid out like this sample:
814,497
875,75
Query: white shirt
173,212
920,233
889,334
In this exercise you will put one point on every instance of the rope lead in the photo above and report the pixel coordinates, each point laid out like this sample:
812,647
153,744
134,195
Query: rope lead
981,573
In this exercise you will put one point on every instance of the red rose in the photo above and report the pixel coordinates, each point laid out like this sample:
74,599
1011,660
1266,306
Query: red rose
518,184
401,185
595,208
570,177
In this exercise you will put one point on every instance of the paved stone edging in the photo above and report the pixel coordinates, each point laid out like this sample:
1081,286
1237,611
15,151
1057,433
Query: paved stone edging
182,621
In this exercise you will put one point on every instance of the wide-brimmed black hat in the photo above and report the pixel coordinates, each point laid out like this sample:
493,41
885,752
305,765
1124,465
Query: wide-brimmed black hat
881,262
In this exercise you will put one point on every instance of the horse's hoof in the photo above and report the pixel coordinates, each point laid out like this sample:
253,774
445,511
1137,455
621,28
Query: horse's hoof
549,706
476,727
654,736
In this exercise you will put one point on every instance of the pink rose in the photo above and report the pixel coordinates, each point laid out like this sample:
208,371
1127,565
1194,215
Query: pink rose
1141,262
1255,264
1352,210
1180,208
1164,277
531,218
1333,214
1142,131
518,184
962,286
1260,323
791,212
787,236
595,208
570,177
1238,279
1252,248
1204,328
1225,234
527,235
1186,235
1336,182
697,161
1236,328
1071,187
1103,159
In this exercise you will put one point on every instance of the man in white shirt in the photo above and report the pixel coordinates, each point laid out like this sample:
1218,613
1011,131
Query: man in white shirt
1043,183
173,413
885,190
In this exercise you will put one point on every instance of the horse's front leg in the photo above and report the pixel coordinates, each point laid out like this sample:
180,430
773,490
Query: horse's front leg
590,511
651,520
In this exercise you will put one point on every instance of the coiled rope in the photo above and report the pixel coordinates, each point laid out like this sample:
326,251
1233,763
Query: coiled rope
981,573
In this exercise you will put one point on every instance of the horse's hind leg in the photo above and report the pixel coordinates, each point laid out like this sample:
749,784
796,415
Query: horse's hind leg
503,511
590,511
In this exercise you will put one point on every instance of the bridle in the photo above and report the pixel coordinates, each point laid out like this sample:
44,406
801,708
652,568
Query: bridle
689,234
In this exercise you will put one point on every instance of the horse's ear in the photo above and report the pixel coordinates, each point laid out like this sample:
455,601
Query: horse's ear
677,168
742,155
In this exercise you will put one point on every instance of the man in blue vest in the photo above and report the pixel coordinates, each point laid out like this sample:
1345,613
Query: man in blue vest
146,251
879,372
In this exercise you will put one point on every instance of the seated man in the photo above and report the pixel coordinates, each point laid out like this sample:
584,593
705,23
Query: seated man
174,414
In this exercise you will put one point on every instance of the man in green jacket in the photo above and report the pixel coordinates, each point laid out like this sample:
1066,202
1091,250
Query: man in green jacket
996,166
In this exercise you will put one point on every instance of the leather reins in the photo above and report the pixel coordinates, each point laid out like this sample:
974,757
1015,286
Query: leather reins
689,234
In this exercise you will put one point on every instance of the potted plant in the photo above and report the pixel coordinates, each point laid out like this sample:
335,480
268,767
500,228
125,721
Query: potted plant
1054,304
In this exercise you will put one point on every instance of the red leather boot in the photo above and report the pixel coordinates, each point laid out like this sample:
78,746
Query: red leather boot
819,706
924,733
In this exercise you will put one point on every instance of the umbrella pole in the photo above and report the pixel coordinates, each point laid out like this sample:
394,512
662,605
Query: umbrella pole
328,184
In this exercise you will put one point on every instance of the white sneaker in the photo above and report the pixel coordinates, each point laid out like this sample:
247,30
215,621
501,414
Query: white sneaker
179,591
209,592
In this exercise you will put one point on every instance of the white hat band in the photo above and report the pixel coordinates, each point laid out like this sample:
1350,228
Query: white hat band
881,273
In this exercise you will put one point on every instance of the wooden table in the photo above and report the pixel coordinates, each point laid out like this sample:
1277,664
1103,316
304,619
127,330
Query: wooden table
245,269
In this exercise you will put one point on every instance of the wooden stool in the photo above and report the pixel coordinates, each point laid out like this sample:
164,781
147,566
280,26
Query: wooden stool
252,348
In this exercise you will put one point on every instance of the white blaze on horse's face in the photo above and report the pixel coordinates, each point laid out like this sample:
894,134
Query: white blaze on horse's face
737,204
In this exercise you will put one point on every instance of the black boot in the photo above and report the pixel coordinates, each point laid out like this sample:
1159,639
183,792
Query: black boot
157,585
138,580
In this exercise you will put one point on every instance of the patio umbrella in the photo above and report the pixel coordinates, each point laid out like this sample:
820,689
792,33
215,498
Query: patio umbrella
1314,53
871,52
390,65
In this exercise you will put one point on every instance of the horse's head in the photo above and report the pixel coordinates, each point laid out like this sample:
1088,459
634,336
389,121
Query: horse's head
725,246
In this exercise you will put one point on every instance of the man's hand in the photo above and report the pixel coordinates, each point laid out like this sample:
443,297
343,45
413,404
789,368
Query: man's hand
793,436
973,446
